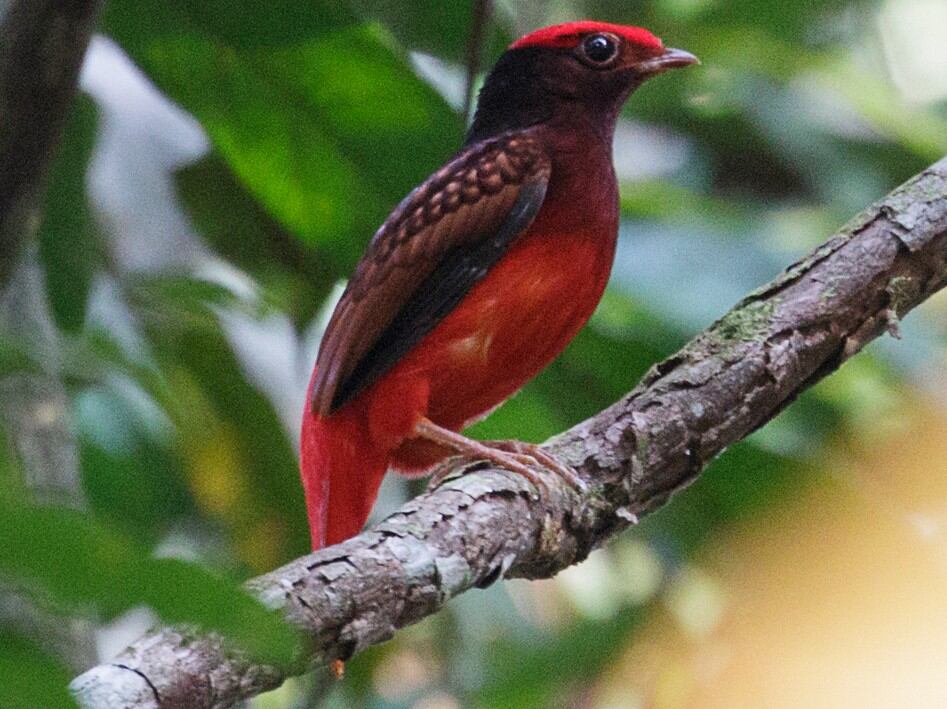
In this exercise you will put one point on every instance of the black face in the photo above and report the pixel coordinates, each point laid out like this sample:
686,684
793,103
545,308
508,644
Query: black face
532,84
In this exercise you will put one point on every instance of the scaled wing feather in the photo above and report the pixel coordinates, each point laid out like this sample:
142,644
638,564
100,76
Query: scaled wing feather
439,242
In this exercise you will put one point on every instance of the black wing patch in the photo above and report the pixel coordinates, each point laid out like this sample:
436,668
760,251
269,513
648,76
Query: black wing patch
456,273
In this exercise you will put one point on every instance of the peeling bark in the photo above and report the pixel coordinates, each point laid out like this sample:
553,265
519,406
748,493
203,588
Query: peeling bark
488,524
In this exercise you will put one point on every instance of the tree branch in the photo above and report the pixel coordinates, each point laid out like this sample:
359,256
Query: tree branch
482,10
488,524
42,43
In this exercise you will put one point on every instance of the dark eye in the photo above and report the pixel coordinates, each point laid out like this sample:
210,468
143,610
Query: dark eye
600,48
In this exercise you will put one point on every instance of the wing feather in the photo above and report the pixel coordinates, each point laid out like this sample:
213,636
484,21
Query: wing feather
434,247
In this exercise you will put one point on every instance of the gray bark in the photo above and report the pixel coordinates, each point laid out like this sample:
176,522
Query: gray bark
488,524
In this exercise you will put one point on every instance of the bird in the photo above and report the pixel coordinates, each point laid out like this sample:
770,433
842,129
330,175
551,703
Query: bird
479,278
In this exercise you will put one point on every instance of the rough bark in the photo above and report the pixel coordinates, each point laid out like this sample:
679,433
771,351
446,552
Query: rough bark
488,524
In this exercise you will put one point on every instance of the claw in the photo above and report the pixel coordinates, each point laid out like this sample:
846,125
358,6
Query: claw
515,456
537,455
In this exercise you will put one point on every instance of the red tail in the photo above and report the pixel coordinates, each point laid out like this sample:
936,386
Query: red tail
341,474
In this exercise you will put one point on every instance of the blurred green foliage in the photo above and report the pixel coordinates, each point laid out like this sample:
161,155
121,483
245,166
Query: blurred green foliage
28,678
68,226
319,122
76,564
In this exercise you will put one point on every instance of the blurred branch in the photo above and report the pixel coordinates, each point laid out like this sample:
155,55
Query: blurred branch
482,10
42,43
487,524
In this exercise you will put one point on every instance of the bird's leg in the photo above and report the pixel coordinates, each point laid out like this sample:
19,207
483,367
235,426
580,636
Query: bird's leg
517,457
536,452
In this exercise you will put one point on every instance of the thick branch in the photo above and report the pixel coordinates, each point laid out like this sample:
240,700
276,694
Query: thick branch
488,524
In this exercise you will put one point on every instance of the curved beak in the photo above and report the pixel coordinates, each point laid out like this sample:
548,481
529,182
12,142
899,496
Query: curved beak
671,59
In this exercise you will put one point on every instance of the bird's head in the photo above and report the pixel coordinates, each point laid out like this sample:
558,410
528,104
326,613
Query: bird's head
586,66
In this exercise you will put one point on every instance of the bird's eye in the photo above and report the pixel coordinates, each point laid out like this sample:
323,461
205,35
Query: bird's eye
600,48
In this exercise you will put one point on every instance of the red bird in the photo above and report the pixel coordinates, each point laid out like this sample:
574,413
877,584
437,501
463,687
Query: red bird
480,277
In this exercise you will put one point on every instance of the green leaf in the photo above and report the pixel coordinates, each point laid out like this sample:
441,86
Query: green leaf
15,356
667,201
70,249
239,461
29,678
328,130
181,592
67,558
519,671
244,24
295,278
11,478
433,26
119,444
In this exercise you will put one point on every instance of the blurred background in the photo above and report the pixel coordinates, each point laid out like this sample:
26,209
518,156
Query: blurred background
223,170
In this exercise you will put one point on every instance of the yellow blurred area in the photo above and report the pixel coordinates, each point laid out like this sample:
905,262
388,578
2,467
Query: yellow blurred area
215,472
837,599
221,488
217,467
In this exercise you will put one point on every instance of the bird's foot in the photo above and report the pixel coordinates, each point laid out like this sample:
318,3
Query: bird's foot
515,456
536,454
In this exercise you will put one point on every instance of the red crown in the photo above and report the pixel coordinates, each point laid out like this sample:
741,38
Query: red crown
568,35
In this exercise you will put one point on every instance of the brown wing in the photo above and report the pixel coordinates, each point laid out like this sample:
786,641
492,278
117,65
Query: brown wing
434,247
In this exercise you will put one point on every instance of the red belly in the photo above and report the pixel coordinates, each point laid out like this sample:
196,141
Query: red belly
508,328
